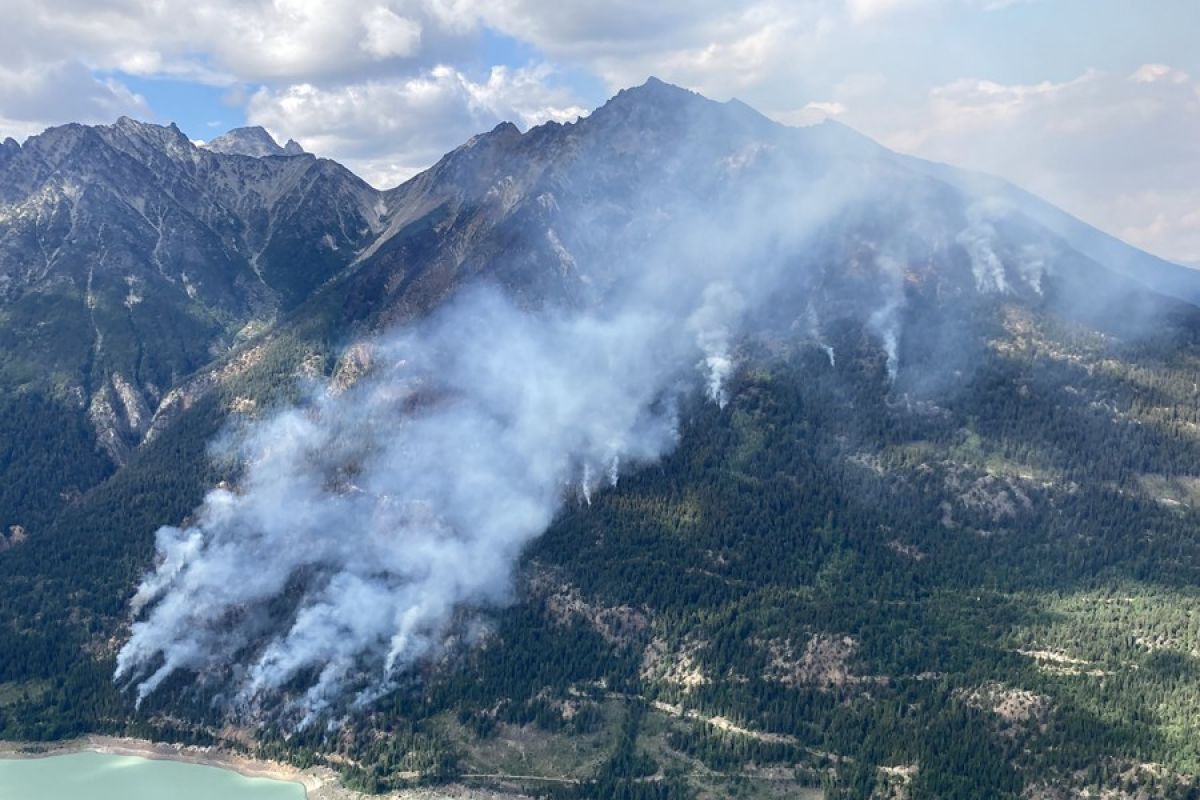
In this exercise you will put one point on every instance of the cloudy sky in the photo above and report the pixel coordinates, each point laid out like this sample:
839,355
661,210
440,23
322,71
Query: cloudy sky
1094,104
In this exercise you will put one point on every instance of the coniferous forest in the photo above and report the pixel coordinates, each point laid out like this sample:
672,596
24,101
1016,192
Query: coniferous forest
832,584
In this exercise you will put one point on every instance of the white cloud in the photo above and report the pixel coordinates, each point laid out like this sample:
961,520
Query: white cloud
388,129
1161,221
389,34
869,10
1098,145
712,46
388,85
963,106
862,10
32,99
1151,73
249,40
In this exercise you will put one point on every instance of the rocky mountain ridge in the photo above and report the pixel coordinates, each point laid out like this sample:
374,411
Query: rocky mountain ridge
934,536
130,258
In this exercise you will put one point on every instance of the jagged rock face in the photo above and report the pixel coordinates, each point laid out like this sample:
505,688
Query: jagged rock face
549,212
126,250
140,199
900,243
16,536
129,257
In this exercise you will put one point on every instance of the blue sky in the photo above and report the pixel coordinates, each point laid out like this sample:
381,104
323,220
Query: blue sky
200,110
1095,104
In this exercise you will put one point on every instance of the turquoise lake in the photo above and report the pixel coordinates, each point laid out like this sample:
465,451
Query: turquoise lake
97,776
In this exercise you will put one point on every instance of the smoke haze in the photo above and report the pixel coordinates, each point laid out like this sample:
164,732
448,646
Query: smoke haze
371,526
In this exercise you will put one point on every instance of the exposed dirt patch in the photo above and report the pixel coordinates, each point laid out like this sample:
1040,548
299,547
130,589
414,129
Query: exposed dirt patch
1181,491
354,363
1059,663
1135,781
16,536
909,551
824,661
680,668
243,405
722,723
998,497
1017,710
620,625
896,782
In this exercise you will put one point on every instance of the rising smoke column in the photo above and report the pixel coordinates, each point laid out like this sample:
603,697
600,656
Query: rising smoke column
368,523
713,325
812,326
384,509
886,320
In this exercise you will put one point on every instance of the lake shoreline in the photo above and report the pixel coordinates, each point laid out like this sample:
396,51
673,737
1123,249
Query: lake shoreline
318,783
311,780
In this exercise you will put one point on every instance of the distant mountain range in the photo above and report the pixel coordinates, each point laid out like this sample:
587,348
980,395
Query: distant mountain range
111,230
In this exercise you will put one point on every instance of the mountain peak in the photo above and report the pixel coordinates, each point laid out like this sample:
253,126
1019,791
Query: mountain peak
651,104
656,89
251,141
168,137
674,111
8,150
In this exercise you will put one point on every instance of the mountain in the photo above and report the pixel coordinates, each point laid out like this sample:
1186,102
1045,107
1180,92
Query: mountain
252,141
1171,279
936,536
129,257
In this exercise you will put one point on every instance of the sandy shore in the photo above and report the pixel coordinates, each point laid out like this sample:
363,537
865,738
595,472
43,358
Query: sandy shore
320,783
311,780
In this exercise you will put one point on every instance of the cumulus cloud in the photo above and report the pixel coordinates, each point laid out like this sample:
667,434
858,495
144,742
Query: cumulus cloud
233,43
32,99
388,129
389,34
1151,73
247,40
713,47
350,79
862,10
1117,150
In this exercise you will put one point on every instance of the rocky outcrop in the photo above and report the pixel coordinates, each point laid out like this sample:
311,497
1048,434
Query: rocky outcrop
16,536
254,142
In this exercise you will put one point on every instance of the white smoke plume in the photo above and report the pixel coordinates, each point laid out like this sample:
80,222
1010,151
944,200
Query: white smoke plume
373,522
585,485
1033,266
976,239
982,242
713,325
368,523
812,325
382,510
885,321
